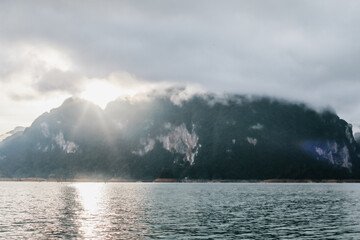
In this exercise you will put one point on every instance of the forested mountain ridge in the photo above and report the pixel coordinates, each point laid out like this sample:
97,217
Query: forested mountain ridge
202,137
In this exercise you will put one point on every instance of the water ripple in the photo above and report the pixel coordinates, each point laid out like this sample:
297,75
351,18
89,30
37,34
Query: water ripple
32,210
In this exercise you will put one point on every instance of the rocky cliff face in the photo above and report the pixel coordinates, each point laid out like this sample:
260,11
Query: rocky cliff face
202,137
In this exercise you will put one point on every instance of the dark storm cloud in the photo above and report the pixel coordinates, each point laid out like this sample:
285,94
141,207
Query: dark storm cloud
300,50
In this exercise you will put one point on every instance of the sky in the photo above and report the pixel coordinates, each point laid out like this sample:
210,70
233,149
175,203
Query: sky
307,51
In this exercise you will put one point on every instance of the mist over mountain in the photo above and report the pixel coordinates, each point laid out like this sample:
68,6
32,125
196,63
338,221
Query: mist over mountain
14,132
201,137
357,137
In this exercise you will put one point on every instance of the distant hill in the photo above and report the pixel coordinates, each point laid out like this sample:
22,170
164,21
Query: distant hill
203,137
15,131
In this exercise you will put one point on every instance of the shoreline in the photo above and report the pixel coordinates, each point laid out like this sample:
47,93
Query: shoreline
171,180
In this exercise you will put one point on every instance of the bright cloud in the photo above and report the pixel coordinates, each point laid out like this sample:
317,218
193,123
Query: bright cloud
298,50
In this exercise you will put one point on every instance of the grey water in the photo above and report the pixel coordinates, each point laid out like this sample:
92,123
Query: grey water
44,210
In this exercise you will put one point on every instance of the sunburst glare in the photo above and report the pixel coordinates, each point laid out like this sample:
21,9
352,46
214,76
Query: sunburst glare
102,92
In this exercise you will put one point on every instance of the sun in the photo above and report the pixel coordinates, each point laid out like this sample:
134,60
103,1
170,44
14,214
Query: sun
102,92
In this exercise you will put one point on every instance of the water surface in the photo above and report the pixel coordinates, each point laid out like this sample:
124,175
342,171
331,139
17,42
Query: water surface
43,210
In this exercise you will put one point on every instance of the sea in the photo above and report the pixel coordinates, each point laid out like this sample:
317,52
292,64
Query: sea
51,210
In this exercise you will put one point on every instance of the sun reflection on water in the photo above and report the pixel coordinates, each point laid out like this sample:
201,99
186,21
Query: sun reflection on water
112,211
91,198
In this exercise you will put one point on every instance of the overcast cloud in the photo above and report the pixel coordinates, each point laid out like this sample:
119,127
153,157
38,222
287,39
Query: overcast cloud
298,50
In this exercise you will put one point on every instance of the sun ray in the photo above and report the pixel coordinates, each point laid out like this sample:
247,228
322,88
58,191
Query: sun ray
102,92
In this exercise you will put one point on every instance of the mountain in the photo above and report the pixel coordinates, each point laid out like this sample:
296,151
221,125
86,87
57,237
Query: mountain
202,137
14,132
